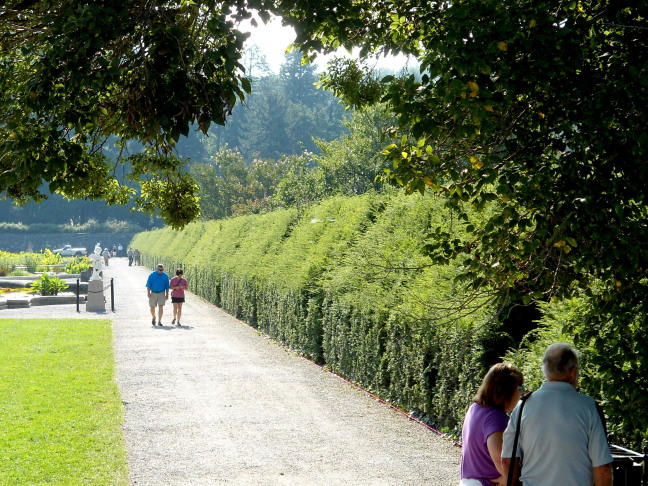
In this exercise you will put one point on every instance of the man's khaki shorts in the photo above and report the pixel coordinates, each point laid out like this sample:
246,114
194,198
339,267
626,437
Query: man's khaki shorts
156,299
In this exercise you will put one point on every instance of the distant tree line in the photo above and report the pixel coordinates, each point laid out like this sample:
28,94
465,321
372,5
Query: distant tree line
349,165
78,214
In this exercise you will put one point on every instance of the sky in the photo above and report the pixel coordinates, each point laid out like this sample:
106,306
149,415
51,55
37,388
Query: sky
273,39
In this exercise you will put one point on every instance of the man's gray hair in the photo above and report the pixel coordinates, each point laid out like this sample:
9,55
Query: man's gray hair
559,358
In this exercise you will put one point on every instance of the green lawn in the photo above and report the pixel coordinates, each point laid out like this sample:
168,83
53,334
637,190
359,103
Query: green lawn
60,410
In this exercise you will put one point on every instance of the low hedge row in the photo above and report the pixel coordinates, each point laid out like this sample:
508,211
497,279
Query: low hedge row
345,284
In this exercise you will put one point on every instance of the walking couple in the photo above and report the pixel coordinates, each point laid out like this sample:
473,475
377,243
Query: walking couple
555,436
158,286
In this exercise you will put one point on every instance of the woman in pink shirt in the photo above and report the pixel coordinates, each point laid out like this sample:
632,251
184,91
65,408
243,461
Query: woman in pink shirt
178,285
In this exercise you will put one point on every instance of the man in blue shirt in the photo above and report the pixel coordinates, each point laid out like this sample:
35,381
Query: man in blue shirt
157,288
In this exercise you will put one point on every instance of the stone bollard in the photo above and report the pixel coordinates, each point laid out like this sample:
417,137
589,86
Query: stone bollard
96,301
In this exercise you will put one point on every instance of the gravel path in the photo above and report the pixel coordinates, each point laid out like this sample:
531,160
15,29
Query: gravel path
216,403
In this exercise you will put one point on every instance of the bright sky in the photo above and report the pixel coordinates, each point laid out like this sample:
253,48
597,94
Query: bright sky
273,39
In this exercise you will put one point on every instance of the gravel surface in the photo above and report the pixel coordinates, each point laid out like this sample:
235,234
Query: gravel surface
216,403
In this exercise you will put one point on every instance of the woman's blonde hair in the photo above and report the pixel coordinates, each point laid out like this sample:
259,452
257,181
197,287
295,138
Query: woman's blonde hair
499,385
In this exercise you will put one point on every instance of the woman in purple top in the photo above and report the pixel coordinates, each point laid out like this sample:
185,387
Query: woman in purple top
484,426
178,285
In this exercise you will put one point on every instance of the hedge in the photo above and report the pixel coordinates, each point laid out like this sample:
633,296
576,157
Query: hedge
346,285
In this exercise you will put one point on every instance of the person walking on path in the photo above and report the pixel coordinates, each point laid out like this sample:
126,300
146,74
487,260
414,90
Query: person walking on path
157,287
562,437
485,423
106,256
178,286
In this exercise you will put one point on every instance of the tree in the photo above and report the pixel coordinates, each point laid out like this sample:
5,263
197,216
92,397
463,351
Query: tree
222,183
537,111
266,131
298,80
302,184
84,82
284,114
230,187
256,62
351,164
73,73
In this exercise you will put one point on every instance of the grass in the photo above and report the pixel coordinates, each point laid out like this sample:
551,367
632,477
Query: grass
60,409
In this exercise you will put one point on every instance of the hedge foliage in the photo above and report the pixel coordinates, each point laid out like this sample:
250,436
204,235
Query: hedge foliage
345,284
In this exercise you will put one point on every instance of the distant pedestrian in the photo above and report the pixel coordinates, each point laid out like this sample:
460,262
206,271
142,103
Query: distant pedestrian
106,256
114,250
157,288
178,286
120,250
136,256
129,254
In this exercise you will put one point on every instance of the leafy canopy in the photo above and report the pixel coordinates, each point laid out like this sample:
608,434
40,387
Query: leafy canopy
537,111
534,107
73,74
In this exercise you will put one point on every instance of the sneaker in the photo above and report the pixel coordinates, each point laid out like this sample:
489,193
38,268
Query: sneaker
173,322
153,322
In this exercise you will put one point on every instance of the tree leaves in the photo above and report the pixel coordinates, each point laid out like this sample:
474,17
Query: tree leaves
514,109
166,189
78,73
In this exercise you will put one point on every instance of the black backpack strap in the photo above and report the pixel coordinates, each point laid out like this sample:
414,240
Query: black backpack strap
509,481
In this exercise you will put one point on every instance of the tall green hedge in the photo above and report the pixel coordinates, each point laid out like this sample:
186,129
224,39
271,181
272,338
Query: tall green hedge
345,284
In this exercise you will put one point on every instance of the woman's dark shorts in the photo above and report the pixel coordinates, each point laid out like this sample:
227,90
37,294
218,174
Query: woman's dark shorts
177,300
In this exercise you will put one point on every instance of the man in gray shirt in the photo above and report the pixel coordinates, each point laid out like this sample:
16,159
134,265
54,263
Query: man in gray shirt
562,440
